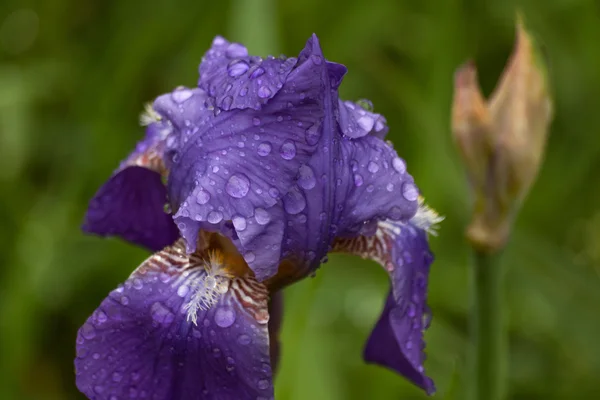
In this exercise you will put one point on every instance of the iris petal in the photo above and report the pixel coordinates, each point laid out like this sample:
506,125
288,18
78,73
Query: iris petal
139,344
131,203
236,80
397,339
241,166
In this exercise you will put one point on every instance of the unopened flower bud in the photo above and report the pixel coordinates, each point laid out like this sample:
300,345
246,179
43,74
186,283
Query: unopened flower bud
502,140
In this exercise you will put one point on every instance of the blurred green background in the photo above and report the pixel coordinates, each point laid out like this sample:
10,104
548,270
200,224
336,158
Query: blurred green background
74,75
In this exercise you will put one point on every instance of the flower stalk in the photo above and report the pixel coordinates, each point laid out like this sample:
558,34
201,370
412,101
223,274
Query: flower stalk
501,142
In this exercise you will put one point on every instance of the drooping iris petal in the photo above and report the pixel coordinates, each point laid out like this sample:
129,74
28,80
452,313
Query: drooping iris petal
241,165
139,343
357,122
236,80
131,203
397,339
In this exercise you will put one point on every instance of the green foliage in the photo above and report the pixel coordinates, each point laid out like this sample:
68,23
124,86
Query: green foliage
69,104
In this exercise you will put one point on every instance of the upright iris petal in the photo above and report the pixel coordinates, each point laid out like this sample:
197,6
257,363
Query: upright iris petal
142,343
280,163
131,204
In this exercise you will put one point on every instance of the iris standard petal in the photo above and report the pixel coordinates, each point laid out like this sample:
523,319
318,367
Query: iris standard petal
131,203
236,80
144,340
357,122
241,166
397,340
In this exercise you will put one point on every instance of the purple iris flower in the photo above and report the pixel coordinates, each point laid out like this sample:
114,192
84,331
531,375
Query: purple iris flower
266,171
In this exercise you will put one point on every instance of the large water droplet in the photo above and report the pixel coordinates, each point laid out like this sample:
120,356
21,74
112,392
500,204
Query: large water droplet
262,216
214,217
238,186
181,95
239,223
160,313
306,178
264,149
288,150
409,191
373,167
264,92
399,165
224,317
236,50
237,68
366,123
202,197
294,201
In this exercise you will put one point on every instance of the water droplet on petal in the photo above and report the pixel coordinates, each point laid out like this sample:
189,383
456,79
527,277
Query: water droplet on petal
373,167
183,290
160,313
274,192
202,197
244,340
237,68
409,191
370,188
226,103
98,389
354,165
214,217
262,216
238,186
399,165
224,317
256,121
236,50
389,187
137,284
249,257
366,123
306,178
258,72
263,383
181,95
117,376
88,331
313,134
264,92
239,223
264,149
358,180
288,150
294,201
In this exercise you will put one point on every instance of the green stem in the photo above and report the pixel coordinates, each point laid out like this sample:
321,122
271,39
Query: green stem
489,330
